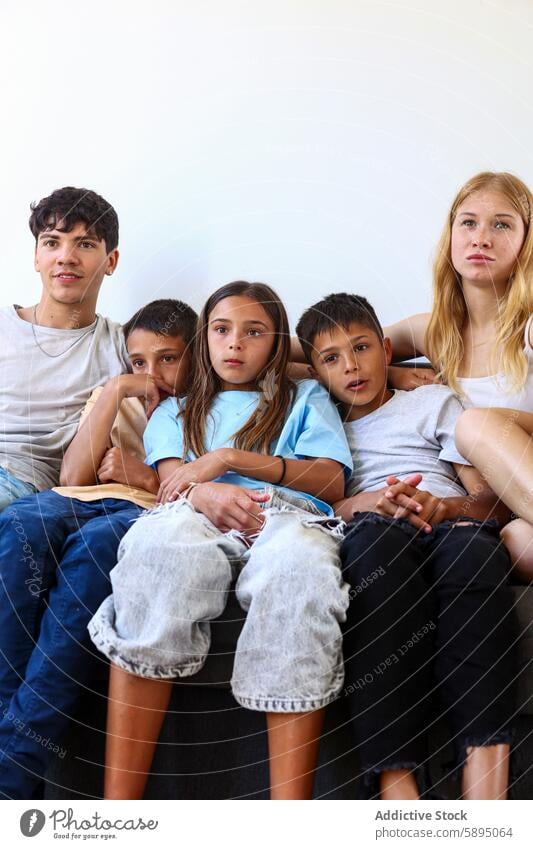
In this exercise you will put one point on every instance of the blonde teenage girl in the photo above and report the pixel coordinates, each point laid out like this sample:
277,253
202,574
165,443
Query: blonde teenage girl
479,337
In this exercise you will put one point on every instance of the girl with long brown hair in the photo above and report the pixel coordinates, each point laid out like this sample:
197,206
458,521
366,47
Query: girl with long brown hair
249,465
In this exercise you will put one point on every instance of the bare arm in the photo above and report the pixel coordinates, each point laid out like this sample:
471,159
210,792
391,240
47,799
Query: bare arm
363,502
318,476
166,467
408,378
481,502
120,467
299,371
408,336
321,477
297,355
85,453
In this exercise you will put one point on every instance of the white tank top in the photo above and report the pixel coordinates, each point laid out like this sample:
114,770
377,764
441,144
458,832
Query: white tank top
491,391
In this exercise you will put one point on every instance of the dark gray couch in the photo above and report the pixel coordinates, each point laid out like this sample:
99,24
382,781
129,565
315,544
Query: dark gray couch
211,748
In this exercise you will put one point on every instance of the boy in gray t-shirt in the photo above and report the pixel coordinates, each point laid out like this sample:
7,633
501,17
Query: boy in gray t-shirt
430,612
55,353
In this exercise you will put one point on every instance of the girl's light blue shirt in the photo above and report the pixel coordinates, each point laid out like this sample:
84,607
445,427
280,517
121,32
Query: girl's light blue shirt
313,428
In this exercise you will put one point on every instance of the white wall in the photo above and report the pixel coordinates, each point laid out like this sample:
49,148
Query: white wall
312,144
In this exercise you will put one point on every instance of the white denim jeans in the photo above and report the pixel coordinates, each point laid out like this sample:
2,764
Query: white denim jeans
173,575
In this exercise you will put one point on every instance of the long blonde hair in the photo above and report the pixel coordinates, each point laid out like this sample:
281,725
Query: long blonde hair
444,335
266,422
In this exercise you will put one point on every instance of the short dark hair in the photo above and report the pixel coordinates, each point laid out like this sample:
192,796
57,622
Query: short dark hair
333,311
166,317
70,206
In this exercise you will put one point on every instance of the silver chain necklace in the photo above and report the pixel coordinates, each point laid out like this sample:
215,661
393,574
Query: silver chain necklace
61,353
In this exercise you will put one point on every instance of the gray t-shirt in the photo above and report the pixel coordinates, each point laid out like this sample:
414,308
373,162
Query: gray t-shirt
41,397
413,432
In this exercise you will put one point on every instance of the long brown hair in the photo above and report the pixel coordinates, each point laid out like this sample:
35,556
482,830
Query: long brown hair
444,335
266,421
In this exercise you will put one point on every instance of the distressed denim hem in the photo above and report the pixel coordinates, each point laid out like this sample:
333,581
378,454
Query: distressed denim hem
283,705
334,526
371,775
142,669
505,737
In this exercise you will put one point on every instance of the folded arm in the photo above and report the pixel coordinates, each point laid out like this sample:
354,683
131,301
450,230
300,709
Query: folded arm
321,477
85,454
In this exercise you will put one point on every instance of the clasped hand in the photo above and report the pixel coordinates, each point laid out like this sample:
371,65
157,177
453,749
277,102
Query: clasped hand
403,500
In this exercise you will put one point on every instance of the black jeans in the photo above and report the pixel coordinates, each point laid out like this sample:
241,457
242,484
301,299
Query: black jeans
430,633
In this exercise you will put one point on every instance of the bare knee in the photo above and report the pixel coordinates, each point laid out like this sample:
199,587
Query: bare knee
469,429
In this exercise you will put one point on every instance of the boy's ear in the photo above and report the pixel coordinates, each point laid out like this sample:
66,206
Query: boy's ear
317,376
112,260
387,347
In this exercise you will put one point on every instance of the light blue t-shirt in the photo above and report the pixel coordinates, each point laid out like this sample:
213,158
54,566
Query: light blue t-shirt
313,428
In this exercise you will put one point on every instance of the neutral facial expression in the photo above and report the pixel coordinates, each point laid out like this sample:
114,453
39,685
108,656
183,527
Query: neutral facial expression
352,364
240,337
487,235
72,265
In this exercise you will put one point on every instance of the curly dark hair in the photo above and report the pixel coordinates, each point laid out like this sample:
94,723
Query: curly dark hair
69,206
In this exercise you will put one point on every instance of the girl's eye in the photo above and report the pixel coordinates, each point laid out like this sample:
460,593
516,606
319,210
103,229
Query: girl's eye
169,358
360,347
468,222
220,329
501,225
137,363
253,332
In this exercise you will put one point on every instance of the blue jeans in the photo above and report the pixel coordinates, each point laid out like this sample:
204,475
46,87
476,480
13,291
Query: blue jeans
55,557
173,576
12,488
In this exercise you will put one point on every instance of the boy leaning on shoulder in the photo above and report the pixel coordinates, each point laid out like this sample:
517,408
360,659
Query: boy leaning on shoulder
58,547
430,614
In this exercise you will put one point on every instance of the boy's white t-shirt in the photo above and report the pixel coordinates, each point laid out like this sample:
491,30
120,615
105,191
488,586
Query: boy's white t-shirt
42,396
412,432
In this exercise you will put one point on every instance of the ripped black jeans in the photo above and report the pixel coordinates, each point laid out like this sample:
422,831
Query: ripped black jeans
431,632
